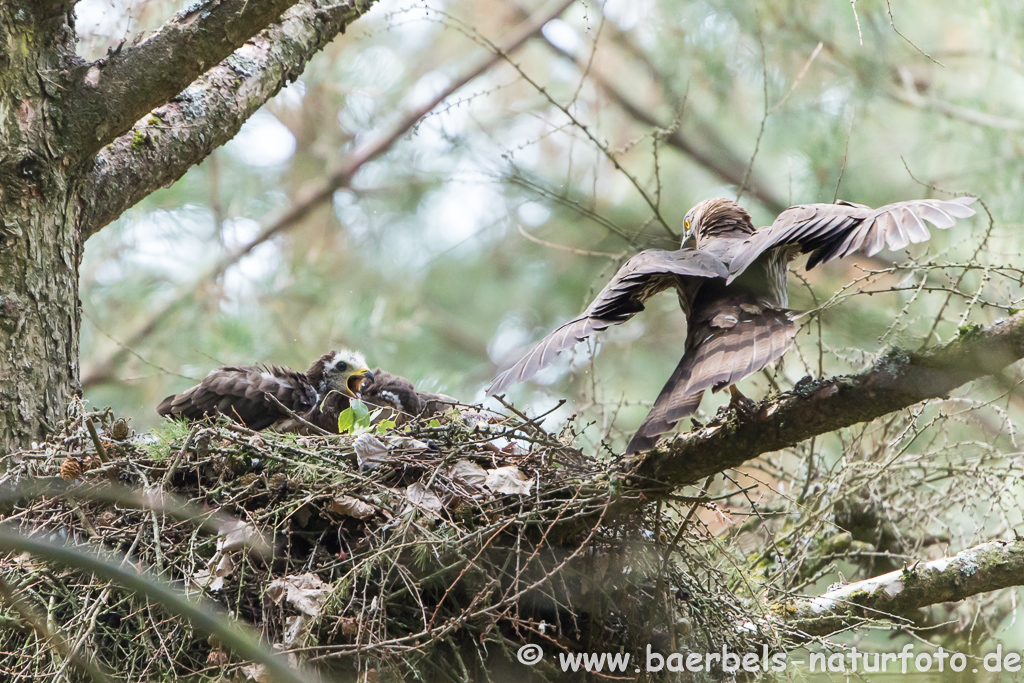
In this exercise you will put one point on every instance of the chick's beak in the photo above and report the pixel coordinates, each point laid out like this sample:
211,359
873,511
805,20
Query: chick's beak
357,379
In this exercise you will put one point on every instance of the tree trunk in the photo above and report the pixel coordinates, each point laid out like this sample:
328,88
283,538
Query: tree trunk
40,247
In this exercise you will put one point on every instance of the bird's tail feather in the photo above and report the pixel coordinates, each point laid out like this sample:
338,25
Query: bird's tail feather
724,356
670,407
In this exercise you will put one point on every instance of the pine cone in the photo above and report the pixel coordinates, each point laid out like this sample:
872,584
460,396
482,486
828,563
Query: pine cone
277,481
120,430
108,518
247,479
71,469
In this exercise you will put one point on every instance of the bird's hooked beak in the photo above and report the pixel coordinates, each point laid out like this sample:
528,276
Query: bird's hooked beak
355,380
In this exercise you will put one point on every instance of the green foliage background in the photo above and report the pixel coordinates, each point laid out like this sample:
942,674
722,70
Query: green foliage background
423,264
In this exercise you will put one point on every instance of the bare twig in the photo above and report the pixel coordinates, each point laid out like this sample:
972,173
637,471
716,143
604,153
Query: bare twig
100,451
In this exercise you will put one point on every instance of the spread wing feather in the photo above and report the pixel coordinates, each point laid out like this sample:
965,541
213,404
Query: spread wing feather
831,231
640,278
728,354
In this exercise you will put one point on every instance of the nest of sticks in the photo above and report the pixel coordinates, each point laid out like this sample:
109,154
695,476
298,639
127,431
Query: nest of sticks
435,550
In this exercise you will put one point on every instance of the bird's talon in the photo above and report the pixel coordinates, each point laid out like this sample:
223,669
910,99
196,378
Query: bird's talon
744,407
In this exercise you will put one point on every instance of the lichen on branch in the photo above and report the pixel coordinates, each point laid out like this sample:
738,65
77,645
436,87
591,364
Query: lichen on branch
898,594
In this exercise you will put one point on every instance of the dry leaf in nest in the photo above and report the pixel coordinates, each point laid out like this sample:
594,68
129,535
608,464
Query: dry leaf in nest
349,626
423,498
508,480
468,473
371,452
351,507
214,579
305,592
296,632
303,515
236,536
406,444
254,672
70,469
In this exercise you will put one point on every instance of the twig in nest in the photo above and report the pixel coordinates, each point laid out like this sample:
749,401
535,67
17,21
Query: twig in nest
96,440
534,423
292,414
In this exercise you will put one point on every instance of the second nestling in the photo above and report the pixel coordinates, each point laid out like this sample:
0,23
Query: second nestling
256,396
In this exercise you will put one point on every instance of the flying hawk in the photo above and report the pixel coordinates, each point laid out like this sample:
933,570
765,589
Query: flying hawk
241,393
732,289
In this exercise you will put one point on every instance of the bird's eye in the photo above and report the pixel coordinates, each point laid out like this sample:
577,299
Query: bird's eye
342,365
687,225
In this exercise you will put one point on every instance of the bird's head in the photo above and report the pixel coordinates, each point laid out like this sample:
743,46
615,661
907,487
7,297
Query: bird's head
342,371
716,218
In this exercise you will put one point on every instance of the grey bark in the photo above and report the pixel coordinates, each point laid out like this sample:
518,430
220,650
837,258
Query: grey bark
40,250
900,594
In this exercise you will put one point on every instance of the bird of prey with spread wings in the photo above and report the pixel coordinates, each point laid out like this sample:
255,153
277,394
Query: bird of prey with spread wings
732,288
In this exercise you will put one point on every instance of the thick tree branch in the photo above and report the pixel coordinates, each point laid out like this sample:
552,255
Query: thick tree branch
114,178
184,131
897,381
111,94
899,594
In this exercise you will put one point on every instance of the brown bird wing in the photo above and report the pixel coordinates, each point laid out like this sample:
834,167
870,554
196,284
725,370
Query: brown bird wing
240,393
670,400
730,338
641,277
831,231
